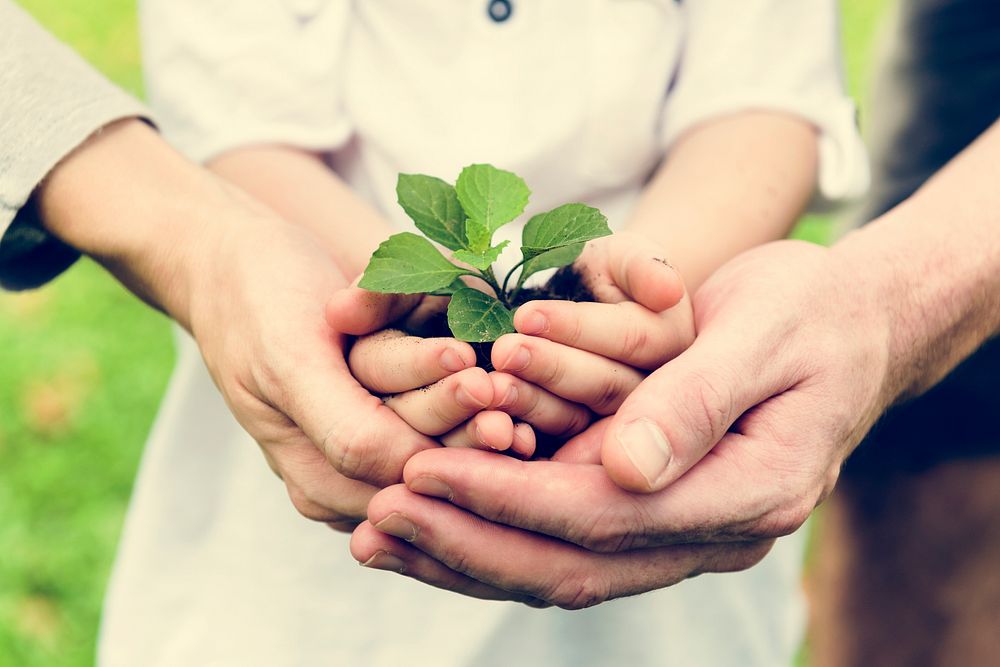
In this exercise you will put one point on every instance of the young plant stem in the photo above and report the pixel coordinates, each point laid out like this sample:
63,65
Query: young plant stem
506,279
491,280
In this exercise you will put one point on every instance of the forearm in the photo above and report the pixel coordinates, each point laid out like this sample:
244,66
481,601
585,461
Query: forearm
139,208
303,190
726,186
933,263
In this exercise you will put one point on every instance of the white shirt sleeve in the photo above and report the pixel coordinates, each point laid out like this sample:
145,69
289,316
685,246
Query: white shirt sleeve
771,54
222,74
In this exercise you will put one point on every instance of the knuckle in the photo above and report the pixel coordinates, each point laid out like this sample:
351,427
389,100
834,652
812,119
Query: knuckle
635,339
612,530
785,519
580,590
356,450
743,557
347,526
532,407
709,408
502,385
443,409
572,332
612,389
458,561
553,370
579,419
375,377
311,509
504,512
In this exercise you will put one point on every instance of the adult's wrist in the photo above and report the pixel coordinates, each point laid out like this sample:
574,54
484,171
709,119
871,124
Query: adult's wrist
140,209
932,288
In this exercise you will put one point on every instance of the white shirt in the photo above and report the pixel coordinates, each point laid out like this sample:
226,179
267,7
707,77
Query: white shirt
580,98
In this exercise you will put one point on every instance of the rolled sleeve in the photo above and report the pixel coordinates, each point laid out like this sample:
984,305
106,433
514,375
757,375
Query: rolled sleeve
51,101
224,74
780,55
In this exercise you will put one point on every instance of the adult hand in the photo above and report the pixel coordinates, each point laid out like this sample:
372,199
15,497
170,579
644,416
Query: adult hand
251,289
789,370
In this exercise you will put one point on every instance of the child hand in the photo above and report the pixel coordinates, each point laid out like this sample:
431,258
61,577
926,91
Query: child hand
595,354
431,383
582,357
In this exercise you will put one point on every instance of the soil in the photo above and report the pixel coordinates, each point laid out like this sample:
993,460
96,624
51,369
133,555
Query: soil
564,285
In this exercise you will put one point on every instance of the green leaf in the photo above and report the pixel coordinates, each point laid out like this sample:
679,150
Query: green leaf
455,285
491,198
408,264
433,206
476,317
566,225
478,234
480,260
550,259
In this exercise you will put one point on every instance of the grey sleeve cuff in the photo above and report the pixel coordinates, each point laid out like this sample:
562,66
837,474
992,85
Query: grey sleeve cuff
51,101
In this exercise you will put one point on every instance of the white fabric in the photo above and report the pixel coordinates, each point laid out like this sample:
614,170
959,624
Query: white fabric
51,100
215,566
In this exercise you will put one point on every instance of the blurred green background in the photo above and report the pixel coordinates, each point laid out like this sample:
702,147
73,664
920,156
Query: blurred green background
82,368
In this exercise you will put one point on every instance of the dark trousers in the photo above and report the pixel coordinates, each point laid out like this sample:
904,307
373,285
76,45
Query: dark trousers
908,553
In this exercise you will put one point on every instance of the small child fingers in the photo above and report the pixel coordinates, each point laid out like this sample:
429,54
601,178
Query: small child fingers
542,409
442,406
524,440
489,430
625,332
576,375
390,362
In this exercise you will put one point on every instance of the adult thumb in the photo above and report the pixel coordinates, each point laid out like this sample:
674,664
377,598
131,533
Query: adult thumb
678,413
357,312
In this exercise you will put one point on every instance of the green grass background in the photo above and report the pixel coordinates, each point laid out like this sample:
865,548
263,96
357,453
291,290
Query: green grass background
82,368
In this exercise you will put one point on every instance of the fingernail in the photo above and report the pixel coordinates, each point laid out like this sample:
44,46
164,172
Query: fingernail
482,440
399,526
431,486
647,448
534,322
383,560
467,400
479,436
519,360
451,361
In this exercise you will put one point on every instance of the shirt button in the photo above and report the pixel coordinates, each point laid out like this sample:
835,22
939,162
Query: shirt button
499,10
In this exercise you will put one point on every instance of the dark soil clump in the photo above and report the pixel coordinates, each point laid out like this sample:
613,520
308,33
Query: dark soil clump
565,285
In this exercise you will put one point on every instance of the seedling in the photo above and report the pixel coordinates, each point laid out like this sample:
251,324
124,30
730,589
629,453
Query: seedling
464,218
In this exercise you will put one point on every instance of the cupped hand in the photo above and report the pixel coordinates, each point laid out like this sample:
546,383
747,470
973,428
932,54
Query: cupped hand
733,443
256,311
251,289
578,358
